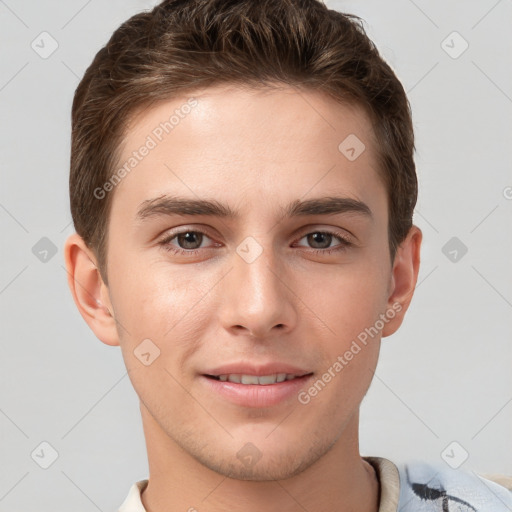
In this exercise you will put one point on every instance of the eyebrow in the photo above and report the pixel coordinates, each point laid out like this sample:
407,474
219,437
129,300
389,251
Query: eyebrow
172,205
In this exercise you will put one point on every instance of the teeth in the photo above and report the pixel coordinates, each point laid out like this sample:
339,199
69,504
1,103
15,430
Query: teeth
262,380
247,379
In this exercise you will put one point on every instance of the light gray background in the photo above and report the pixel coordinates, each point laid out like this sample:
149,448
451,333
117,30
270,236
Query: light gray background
445,376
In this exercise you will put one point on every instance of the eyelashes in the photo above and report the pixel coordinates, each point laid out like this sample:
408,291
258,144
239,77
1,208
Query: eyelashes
166,244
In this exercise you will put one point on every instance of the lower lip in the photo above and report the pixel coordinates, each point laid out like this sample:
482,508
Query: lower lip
255,395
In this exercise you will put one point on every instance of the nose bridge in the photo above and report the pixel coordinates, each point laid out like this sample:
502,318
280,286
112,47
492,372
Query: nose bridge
256,271
257,298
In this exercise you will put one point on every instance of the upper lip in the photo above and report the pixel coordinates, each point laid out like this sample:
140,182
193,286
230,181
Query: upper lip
244,368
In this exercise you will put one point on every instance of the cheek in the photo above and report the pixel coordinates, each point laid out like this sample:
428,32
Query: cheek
167,306
155,307
348,300
350,351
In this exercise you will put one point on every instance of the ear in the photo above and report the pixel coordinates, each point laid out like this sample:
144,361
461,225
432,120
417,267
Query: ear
89,292
404,275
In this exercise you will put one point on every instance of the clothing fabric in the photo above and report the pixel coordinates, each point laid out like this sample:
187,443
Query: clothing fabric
415,486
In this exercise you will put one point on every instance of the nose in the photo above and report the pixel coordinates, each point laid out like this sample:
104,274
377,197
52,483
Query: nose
257,297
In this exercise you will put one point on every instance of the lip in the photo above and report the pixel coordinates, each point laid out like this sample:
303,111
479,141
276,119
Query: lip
258,370
255,395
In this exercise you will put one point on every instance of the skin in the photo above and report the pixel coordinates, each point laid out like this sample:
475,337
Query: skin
255,150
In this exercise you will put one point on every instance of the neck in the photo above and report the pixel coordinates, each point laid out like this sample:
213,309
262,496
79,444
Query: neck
340,480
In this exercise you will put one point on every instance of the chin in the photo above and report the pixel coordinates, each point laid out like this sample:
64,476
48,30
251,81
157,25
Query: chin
274,461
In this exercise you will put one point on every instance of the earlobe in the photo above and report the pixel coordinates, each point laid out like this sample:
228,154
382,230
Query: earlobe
89,292
403,279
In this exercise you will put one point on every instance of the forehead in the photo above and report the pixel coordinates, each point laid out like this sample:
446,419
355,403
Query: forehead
263,146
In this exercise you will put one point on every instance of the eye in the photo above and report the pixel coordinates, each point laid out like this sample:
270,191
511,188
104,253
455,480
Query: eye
187,241
322,240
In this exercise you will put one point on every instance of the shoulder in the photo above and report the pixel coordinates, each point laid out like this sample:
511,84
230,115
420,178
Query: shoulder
433,487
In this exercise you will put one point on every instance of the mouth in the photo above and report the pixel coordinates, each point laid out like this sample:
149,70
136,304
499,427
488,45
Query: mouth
248,390
258,380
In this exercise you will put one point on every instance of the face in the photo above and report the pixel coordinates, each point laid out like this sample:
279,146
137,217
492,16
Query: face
287,284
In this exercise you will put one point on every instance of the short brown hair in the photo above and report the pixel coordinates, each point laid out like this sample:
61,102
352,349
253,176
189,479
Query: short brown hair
182,45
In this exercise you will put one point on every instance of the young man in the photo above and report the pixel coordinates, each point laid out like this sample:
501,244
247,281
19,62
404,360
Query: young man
242,186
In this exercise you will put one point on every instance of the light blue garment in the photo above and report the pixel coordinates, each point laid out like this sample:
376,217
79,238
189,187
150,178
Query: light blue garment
426,487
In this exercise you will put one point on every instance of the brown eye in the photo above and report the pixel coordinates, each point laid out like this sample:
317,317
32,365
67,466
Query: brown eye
188,239
187,242
320,241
